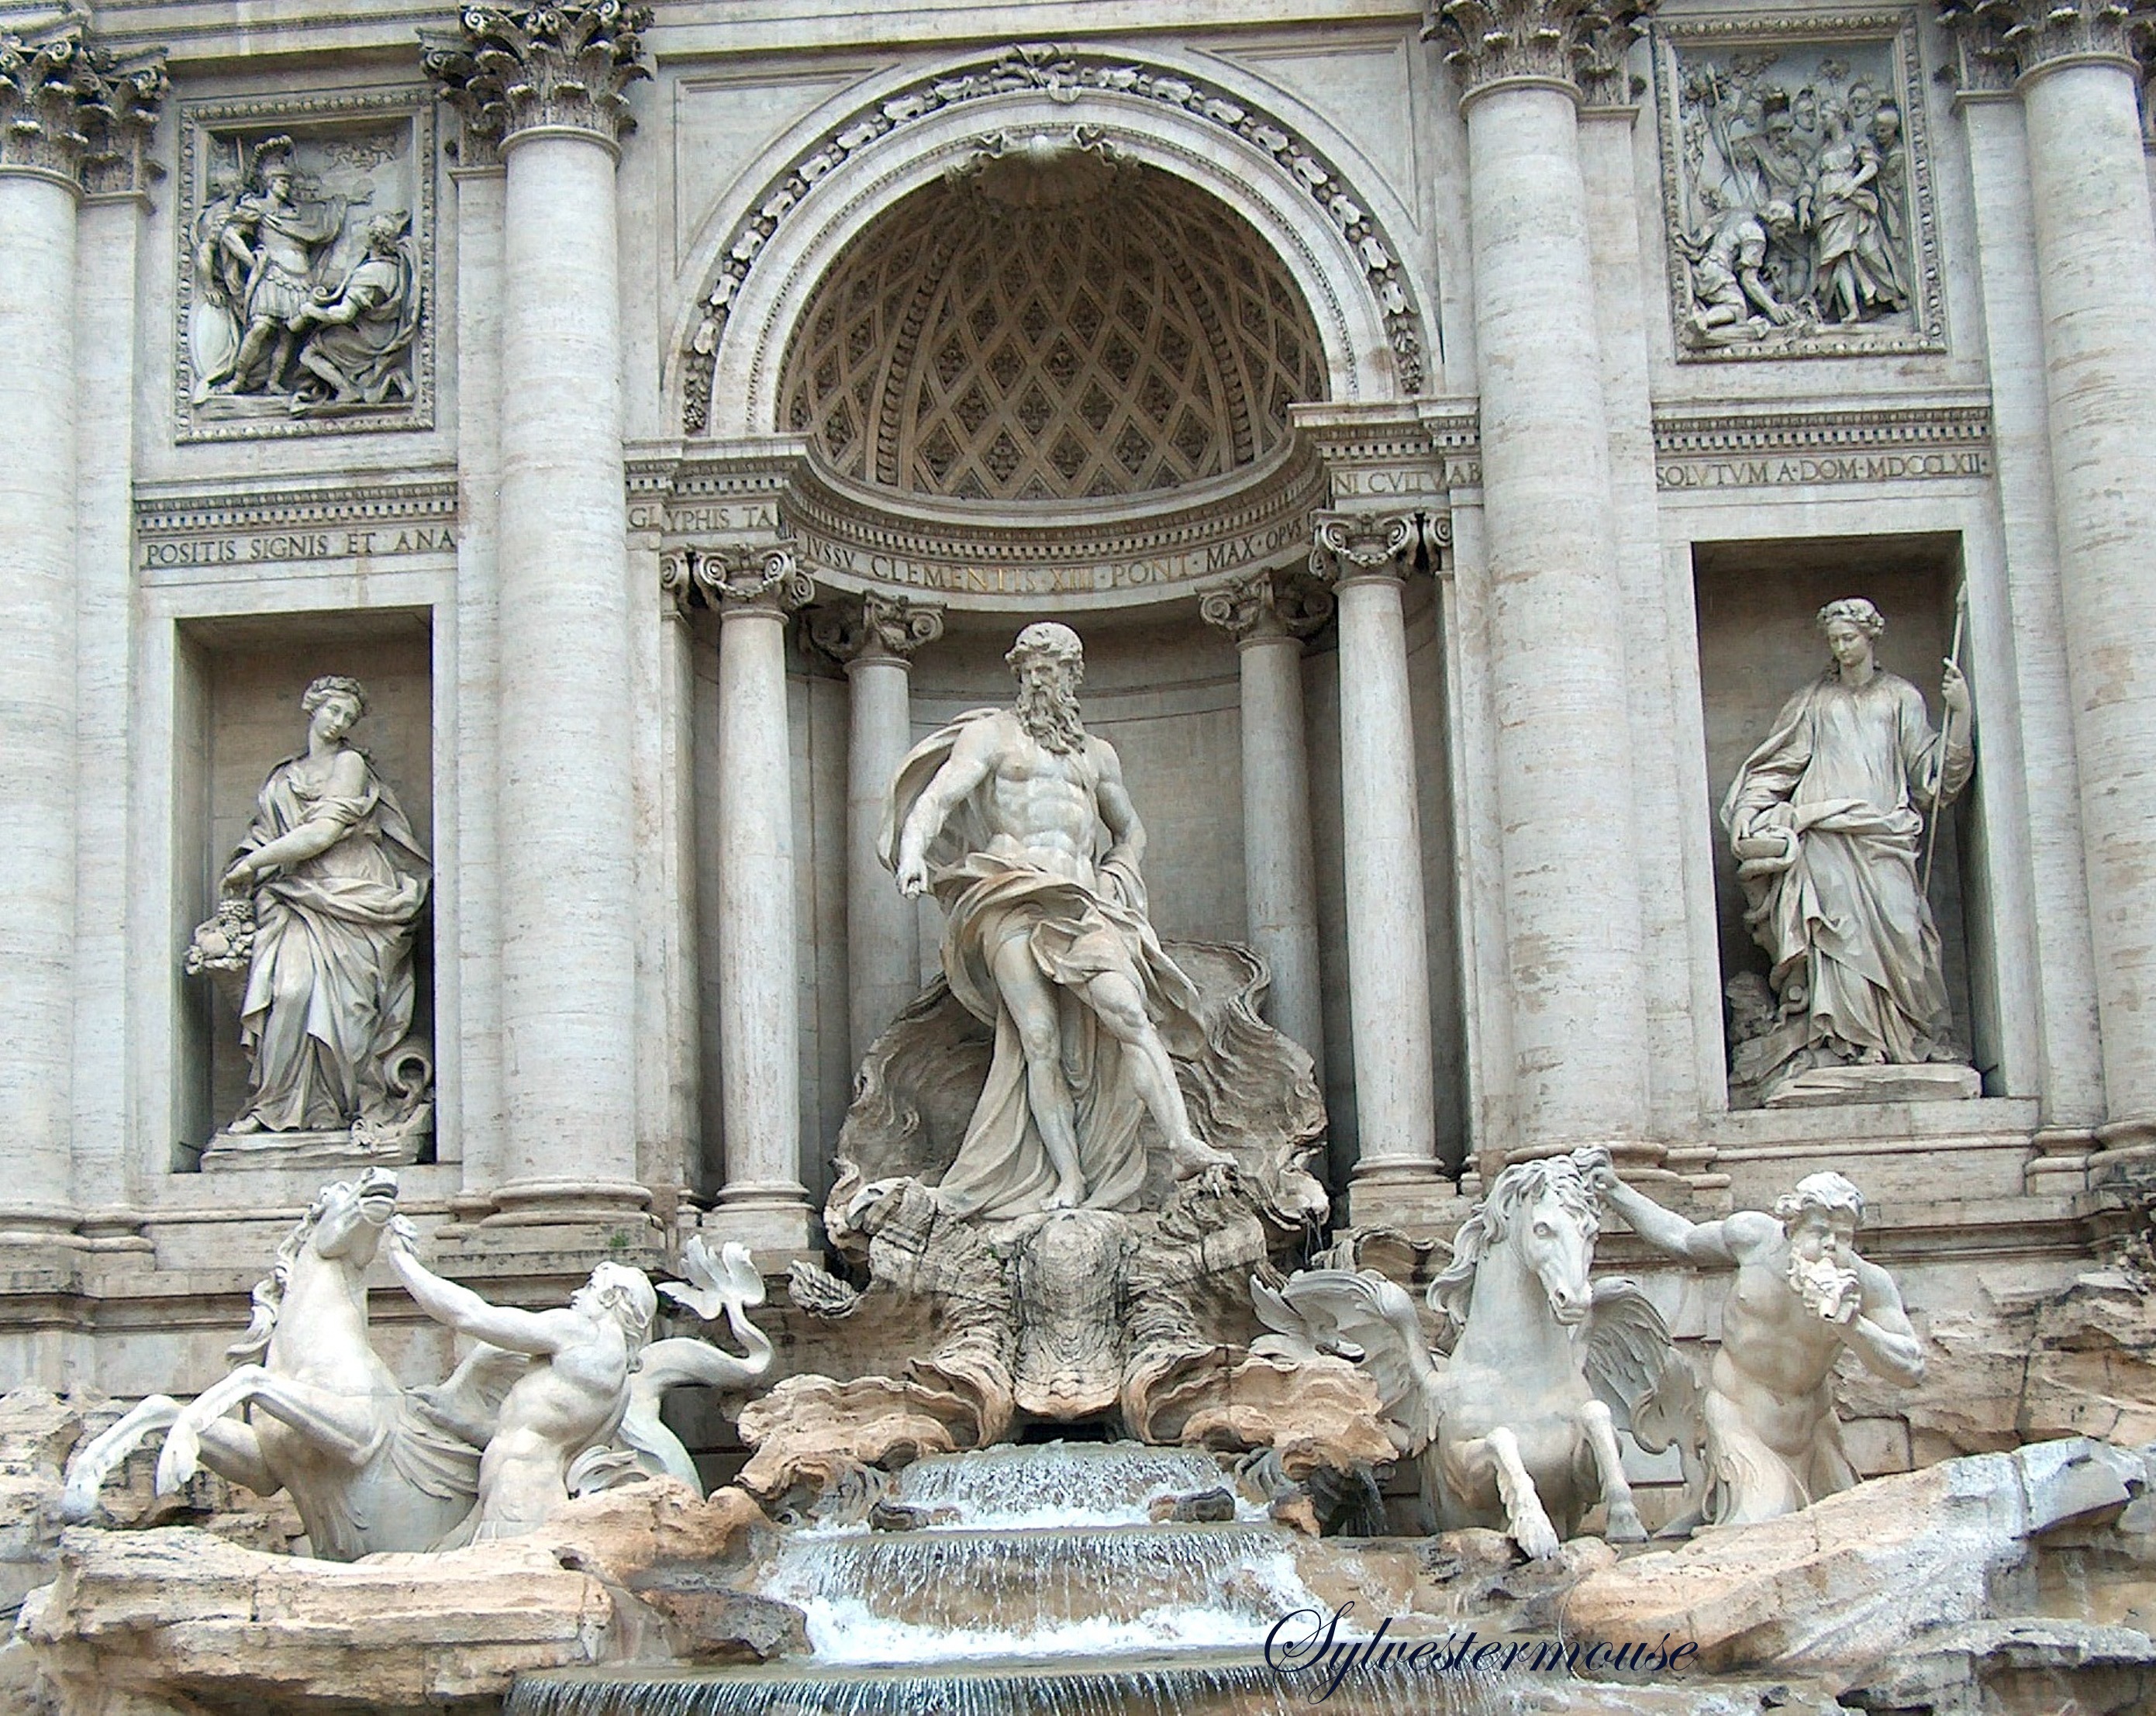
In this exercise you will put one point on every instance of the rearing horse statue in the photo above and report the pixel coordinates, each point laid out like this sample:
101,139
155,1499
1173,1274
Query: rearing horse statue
366,1466
1518,1427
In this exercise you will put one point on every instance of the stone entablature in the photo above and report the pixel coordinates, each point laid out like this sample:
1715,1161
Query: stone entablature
1721,446
197,530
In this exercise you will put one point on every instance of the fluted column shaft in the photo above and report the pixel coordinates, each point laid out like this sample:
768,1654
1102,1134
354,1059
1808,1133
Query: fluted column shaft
544,84
1563,749
1387,947
38,692
1279,869
2096,272
763,1201
568,965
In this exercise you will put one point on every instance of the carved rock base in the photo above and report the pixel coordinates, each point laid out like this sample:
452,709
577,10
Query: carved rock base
1827,1087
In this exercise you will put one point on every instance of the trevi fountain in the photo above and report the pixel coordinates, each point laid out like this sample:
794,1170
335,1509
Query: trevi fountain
1186,856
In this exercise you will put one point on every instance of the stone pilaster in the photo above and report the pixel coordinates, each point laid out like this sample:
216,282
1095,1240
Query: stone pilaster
875,637
1269,615
1368,558
763,1201
66,105
543,85
2095,260
1556,613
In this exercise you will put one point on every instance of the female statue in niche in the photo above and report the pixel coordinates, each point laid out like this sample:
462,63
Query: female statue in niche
1825,819
338,879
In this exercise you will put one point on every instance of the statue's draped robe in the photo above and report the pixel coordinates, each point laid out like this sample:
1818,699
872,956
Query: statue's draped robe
1850,771
368,350
330,991
1002,1169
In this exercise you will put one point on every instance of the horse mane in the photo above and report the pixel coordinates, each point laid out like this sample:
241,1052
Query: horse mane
268,1298
1451,1292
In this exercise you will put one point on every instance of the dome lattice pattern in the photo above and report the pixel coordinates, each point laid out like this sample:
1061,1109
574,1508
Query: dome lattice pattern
971,351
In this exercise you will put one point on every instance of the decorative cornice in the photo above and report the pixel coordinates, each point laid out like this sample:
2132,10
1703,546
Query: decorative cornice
1353,546
1724,446
1579,45
218,509
1261,606
2032,36
73,110
874,628
511,69
737,578
1063,75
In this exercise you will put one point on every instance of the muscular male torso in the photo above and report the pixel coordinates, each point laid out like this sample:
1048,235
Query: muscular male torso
1043,806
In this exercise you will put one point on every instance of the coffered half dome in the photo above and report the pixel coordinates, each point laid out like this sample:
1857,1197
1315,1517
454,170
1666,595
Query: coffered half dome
1049,324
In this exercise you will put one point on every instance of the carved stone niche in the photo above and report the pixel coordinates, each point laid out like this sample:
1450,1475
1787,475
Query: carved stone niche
305,266
306,991
1796,186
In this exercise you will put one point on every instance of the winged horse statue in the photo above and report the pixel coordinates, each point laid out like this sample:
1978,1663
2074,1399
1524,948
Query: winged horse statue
1517,1427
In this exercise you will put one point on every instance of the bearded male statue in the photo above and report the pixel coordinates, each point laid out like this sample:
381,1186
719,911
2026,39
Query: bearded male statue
1019,822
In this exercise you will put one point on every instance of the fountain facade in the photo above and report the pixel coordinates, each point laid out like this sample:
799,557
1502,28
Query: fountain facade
1310,737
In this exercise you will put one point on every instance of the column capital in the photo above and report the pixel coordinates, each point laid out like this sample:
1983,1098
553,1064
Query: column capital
737,578
874,627
73,110
514,70
2003,41
1263,605
1353,546
1578,46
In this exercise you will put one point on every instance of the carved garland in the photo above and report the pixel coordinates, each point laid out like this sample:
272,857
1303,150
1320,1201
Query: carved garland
1063,76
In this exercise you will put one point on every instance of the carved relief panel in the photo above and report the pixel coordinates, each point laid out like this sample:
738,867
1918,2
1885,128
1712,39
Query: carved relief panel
1796,187
305,266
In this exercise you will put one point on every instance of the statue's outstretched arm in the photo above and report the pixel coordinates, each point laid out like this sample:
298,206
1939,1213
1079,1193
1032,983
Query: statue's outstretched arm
463,1310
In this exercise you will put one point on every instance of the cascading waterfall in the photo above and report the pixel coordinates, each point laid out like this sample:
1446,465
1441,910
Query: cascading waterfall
1038,1584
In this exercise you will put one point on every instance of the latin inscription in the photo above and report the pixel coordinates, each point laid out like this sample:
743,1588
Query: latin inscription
1776,472
1186,566
287,546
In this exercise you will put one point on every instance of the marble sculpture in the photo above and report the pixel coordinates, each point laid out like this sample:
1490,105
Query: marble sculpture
550,1403
1002,813
1802,1298
1826,819
1516,1427
320,902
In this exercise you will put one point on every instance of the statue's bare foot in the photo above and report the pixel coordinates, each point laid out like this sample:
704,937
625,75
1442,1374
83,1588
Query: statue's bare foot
1069,1195
1192,1158
245,1124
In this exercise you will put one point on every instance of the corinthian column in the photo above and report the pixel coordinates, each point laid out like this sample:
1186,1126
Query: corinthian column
63,104
1368,560
876,638
543,84
1572,902
763,1202
1269,616
2096,276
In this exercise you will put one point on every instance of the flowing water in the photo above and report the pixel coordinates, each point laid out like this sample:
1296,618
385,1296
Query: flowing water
1037,1586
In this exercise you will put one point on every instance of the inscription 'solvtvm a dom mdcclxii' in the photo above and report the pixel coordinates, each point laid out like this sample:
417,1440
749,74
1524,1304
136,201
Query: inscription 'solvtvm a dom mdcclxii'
1046,709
